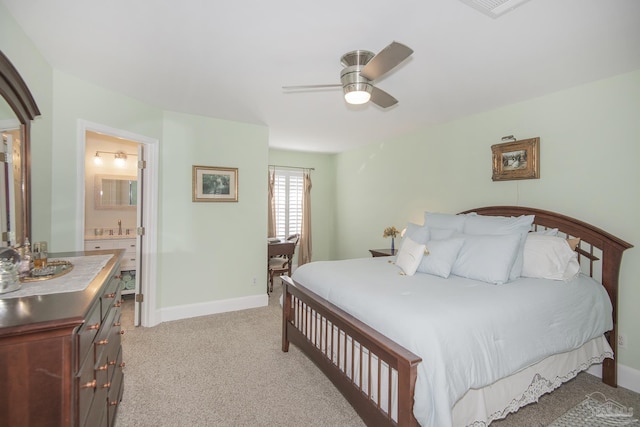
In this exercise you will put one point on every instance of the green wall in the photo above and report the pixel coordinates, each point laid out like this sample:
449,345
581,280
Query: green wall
38,76
211,251
323,188
206,251
589,152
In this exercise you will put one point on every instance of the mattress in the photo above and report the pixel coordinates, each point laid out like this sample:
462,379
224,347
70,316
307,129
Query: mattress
469,334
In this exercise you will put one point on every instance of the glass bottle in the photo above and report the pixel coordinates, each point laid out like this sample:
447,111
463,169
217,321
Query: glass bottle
26,260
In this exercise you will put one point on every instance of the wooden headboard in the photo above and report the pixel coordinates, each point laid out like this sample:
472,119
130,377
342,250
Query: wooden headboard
599,254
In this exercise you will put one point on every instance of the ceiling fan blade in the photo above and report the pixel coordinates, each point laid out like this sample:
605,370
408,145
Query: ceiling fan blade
387,59
382,98
310,87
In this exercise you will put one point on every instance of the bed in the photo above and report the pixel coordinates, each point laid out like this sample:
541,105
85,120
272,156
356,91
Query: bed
366,348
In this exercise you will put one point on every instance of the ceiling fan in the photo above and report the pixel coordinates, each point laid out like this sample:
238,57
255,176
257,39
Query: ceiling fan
361,69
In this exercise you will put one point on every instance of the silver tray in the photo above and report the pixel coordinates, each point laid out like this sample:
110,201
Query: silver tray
53,269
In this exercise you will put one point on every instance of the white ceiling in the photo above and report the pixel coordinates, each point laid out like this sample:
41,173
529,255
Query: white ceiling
230,59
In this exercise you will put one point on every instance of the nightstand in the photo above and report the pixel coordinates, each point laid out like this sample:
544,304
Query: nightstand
383,252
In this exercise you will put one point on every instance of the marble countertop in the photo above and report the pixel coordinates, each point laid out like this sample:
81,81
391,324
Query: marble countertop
108,236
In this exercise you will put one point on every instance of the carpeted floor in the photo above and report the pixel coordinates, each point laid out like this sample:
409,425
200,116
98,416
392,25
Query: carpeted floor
228,370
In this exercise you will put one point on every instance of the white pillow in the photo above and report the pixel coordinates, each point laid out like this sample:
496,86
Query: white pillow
499,225
417,233
446,221
549,257
440,256
410,255
440,233
487,258
547,232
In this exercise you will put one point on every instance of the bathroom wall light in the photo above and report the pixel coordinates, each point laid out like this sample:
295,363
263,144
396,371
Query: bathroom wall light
120,158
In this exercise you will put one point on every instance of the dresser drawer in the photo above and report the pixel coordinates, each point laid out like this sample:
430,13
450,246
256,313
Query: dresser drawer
87,333
111,296
116,389
86,385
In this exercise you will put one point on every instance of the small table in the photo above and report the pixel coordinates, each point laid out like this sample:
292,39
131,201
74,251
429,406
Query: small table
383,252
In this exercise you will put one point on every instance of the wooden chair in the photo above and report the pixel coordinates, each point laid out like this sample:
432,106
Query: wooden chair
281,258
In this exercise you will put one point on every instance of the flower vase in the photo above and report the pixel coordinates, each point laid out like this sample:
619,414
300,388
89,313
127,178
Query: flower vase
393,247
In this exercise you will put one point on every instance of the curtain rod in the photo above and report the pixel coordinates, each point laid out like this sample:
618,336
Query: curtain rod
292,167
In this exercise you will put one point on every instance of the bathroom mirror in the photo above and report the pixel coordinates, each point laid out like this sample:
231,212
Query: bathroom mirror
17,109
116,192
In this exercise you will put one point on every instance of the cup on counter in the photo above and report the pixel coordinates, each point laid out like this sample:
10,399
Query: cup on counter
39,253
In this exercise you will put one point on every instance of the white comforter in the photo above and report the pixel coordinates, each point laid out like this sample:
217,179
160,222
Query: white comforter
468,333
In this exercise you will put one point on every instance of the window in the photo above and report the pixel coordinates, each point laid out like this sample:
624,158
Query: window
287,196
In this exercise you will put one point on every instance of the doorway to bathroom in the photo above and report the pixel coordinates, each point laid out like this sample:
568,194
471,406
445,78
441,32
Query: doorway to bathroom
120,182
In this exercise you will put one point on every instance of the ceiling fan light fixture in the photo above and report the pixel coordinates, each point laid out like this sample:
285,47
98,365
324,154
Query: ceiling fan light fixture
357,94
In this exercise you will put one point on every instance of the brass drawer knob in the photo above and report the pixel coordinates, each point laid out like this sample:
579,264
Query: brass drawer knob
94,327
122,365
111,295
106,385
113,403
121,332
103,367
90,384
102,342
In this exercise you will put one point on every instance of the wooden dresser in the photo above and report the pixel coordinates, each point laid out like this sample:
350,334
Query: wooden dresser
61,355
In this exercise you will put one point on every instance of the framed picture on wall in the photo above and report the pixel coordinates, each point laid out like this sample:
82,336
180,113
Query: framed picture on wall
215,184
516,160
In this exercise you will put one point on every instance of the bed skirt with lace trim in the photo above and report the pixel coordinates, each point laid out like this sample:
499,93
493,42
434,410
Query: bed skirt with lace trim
479,407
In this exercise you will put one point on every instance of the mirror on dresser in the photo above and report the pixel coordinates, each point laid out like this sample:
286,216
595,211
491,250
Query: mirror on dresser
17,109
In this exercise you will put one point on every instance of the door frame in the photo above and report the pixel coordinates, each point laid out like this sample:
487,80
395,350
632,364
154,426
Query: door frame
150,315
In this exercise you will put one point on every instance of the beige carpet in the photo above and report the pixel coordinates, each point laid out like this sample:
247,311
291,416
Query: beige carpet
228,370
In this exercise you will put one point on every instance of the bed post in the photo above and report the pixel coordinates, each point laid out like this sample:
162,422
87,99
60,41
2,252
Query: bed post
286,312
610,276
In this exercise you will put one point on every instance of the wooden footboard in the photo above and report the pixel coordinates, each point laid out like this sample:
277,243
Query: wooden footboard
376,375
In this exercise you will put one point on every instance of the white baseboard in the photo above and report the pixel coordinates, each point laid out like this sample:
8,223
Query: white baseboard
212,307
628,378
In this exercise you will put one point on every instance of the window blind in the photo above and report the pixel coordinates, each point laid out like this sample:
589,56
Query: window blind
288,191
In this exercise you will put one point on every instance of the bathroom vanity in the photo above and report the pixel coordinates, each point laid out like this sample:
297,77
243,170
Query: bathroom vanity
61,361
125,242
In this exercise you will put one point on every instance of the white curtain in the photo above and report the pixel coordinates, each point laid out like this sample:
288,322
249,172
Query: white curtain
304,248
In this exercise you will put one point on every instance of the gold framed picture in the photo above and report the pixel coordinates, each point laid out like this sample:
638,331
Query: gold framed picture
516,160
215,184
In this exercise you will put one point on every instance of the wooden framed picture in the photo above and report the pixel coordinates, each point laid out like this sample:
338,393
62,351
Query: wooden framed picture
215,184
516,160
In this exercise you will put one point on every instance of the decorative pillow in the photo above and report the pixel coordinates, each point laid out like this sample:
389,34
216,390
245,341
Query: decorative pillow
549,257
440,233
488,258
410,255
440,256
499,225
547,232
417,233
573,242
446,221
